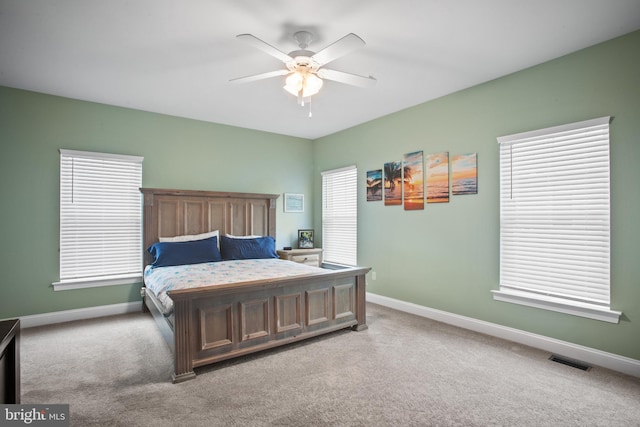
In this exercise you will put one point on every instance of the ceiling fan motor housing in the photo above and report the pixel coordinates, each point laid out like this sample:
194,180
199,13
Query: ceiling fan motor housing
302,60
303,38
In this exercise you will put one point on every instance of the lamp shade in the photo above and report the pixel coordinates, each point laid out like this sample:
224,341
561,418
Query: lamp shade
312,85
293,83
308,83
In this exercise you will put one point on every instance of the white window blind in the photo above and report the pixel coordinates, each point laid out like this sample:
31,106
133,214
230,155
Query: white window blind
340,215
100,217
554,219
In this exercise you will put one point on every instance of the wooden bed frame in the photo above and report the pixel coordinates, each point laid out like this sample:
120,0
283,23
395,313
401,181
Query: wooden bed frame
214,323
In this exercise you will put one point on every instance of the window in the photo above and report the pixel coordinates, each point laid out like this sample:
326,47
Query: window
554,219
340,215
100,219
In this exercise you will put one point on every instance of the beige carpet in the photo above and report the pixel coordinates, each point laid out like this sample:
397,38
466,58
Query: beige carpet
403,371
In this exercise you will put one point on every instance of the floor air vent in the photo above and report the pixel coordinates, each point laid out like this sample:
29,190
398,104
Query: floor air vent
569,362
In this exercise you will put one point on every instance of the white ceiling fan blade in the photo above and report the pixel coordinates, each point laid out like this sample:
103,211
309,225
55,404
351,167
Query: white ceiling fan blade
260,76
347,78
347,44
264,46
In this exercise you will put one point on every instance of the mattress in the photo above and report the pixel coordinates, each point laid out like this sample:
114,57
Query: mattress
161,280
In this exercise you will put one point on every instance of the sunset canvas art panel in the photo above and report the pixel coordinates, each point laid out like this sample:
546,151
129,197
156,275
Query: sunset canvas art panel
374,185
464,174
392,183
413,181
437,177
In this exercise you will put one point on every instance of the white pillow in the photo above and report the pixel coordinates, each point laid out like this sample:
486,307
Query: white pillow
191,237
231,236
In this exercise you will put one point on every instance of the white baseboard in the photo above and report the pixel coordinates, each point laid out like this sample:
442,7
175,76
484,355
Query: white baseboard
589,355
79,314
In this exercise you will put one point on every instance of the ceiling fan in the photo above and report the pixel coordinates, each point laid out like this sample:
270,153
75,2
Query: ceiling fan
305,68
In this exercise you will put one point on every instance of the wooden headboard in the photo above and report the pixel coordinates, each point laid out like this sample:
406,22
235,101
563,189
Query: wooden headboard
169,213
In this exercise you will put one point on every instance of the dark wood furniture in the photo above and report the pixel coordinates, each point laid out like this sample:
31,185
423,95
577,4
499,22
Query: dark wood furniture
10,361
303,256
214,323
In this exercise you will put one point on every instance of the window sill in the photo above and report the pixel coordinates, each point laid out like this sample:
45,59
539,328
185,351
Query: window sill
94,282
590,311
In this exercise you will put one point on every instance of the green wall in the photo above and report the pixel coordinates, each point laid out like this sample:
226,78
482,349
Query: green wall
447,256
178,153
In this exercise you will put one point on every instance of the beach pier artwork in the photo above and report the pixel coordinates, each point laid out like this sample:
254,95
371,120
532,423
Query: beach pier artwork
374,185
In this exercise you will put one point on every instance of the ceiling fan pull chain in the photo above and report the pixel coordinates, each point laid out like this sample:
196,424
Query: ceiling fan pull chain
310,115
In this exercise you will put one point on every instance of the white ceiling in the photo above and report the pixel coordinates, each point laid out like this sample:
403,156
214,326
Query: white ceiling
177,57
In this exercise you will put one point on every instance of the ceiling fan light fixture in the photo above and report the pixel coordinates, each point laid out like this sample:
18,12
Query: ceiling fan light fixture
312,85
293,83
303,84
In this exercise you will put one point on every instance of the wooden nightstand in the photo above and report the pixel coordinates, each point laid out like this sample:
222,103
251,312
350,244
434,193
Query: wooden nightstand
303,256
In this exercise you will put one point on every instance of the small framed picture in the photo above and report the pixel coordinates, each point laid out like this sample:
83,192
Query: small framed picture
293,202
305,239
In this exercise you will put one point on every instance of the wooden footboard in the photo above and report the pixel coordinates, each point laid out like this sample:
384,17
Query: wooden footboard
222,322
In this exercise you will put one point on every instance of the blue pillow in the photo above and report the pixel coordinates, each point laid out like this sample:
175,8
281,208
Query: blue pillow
179,253
254,248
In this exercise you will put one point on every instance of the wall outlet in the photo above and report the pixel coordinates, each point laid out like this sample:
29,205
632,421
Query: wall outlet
373,275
